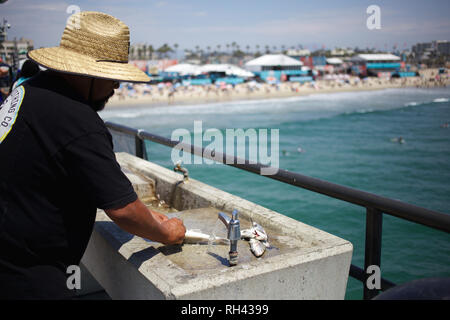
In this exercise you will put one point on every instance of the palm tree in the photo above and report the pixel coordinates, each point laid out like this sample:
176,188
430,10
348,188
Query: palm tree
233,45
150,51
164,49
144,51
175,45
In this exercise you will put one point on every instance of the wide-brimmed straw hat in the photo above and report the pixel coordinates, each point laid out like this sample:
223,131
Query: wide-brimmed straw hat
93,44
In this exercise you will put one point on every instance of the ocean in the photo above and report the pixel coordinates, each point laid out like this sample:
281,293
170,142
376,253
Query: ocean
348,138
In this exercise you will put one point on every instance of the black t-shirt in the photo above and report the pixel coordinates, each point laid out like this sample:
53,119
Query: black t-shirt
57,166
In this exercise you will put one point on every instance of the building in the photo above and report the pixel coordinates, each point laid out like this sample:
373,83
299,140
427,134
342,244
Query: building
297,54
442,47
426,50
13,51
376,64
279,67
338,52
419,48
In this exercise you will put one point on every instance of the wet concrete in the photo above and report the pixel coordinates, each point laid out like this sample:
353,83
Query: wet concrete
305,262
202,256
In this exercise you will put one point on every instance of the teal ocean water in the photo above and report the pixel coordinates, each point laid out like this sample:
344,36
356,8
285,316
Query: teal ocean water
345,138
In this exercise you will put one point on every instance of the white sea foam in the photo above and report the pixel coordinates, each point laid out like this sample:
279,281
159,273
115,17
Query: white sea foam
440,100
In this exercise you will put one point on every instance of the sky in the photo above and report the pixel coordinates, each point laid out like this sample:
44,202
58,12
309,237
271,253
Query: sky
312,24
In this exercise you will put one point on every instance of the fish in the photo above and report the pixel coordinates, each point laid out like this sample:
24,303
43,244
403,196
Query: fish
247,234
193,236
266,244
257,247
260,233
255,232
257,237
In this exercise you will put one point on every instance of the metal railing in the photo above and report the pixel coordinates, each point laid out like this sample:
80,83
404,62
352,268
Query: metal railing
375,205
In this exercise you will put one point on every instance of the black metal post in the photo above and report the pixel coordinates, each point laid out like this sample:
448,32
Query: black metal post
374,225
141,152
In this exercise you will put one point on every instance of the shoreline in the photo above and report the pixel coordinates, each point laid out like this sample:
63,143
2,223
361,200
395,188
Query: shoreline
201,95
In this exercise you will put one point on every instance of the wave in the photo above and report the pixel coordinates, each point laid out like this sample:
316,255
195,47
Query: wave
412,104
440,100
415,103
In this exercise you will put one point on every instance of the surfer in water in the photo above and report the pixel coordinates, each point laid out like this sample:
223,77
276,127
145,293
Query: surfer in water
399,140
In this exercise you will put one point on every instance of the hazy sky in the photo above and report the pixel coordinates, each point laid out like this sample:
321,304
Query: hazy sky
329,23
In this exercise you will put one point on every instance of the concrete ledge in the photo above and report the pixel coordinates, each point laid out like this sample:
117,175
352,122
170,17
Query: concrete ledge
315,266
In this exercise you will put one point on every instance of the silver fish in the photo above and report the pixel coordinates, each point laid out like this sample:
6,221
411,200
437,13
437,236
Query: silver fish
260,233
266,243
257,248
247,234
255,232
197,237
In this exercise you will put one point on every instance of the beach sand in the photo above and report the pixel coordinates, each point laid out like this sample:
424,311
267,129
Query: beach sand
151,95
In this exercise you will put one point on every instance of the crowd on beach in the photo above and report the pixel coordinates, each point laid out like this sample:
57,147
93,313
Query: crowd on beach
169,93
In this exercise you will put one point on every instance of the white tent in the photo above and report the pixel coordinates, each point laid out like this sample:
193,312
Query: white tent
334,61
229,69
272,60
377,57
184,69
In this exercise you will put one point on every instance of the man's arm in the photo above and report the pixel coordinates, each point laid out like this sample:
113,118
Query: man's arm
135,218
91,163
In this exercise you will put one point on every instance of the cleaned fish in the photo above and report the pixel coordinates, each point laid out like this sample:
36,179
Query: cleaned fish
260,233
255,232
247,234
193,236
257,247
266,243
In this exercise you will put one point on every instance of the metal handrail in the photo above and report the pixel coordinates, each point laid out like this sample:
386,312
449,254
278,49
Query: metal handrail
375,205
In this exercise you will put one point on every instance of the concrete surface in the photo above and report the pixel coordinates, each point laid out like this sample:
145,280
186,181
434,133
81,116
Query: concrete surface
308,263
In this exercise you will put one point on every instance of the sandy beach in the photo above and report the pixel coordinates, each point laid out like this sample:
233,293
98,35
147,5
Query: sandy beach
143,95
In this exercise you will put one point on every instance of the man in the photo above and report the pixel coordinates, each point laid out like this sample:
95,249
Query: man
57,163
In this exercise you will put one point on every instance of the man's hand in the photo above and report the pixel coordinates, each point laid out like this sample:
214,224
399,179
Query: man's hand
137,219
175,229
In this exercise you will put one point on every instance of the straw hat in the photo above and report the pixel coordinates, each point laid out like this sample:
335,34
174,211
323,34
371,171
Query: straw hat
93,44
